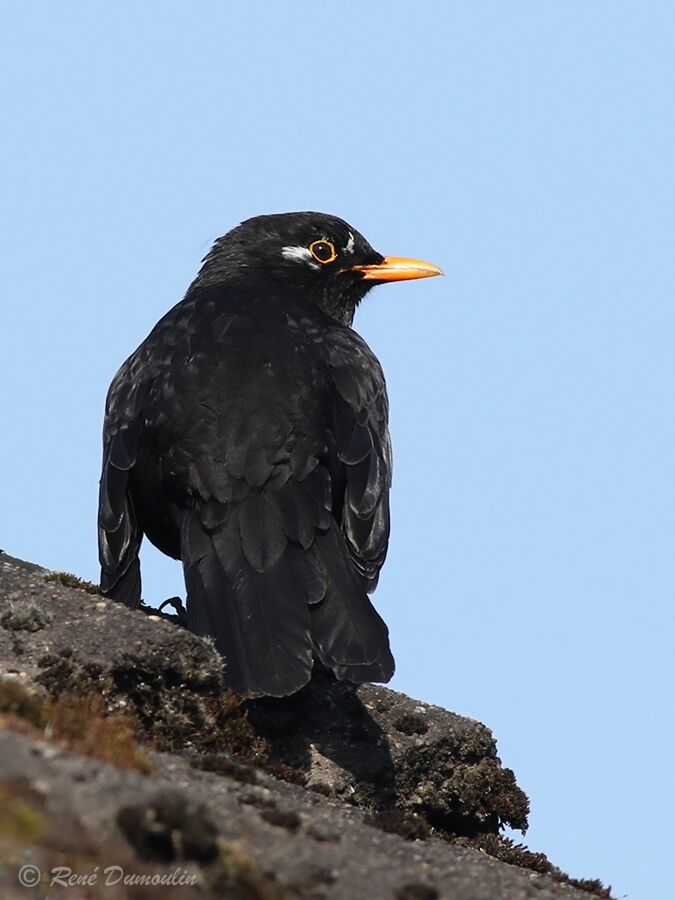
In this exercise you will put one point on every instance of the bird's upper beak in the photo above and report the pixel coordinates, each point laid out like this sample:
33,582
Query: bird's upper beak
398,268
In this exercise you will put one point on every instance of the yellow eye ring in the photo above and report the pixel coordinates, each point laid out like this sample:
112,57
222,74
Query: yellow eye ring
323,251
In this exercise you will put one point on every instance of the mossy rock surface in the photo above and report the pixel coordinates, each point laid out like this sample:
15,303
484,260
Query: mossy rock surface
117,741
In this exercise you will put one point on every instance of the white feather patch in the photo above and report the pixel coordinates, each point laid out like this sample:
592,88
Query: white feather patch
299,254
350,244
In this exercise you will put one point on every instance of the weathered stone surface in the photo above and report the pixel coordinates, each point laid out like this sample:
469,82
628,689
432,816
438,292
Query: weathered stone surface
335,792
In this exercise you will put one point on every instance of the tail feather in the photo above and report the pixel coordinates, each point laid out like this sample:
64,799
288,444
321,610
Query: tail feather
270,625
349,635
260,620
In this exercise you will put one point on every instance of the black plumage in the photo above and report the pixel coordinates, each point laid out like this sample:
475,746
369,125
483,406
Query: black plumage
247,436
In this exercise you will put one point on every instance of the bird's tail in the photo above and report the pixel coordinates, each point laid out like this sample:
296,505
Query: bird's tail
348,634
270,625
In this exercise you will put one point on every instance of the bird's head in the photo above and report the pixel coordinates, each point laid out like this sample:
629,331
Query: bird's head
315,255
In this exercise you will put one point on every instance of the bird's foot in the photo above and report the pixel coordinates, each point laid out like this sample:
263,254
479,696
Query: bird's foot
180,617
176,604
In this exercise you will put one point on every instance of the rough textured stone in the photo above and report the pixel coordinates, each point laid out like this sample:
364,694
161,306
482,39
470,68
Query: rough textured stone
335,792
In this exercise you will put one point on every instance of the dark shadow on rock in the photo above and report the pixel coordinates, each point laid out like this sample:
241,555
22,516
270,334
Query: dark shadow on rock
327,718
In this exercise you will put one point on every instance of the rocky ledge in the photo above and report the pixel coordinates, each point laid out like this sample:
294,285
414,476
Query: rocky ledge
126,771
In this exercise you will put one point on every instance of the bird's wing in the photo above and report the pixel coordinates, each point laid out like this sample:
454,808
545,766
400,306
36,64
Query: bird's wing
279,500
361,412
119,535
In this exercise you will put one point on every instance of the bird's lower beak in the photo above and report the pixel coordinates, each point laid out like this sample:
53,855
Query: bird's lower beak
398,268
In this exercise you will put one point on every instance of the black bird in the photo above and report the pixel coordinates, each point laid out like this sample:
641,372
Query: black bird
247,436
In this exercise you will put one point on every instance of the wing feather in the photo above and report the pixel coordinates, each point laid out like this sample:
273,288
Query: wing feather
360,419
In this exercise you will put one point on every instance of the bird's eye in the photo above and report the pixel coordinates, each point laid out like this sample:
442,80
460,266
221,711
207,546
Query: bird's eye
323,251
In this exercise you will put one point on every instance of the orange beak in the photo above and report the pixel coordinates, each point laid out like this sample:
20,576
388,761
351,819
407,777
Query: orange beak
398,268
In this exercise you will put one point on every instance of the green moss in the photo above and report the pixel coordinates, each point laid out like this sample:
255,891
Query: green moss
214,724
505,850
62,675
16,702
25,617
72,581
407,825
20,821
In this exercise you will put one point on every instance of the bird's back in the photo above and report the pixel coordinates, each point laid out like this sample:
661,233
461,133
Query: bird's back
248,436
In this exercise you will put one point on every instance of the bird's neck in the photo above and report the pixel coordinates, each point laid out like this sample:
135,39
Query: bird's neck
244,282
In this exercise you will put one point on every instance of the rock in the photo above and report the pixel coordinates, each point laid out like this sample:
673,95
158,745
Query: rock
335,792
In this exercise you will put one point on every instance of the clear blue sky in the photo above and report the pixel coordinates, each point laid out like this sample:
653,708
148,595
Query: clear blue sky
528,149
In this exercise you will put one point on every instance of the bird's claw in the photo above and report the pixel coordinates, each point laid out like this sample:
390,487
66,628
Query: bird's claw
180,617
176,604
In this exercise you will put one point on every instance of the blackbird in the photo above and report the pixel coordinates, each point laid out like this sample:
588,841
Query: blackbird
247,436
